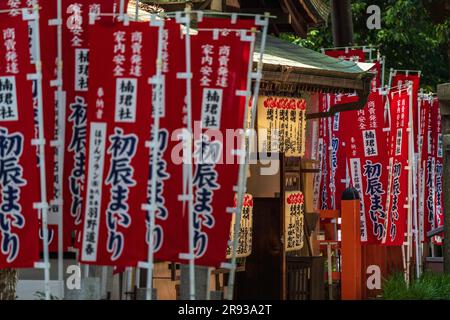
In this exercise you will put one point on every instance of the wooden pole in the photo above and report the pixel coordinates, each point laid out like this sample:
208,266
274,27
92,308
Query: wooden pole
342,23
350,250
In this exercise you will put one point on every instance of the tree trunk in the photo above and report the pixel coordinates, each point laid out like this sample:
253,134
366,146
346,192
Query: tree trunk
342,23
8,282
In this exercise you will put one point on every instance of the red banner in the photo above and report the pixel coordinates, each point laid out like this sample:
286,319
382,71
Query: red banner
220,63
339,177
367,163
118,126
48,63
19,175
378,70
76,42
424,136
322,181
437,134
169,216
357,55
427,173
397,191
334,169
401,79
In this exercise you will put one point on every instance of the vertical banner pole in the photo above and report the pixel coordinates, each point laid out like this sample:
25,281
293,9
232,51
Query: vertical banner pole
187,167
60,148
43,183
121,9
137,278
158,85
419,189
330,149
410,183
391,74
242,180
383,70
415,217
137,10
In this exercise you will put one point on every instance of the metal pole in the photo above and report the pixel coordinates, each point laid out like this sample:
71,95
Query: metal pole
410,182
187,153
244,152
391,74
60,149
242,181
157,81
137,10
122,9
43,183
416,220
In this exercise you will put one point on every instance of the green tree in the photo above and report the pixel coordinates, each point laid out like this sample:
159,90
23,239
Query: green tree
409,38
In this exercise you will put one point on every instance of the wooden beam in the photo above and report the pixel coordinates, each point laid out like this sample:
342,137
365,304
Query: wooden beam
299,23
281,16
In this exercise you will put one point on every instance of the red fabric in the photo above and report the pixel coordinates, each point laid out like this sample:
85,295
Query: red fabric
424,181
367,163
357,55
397,191
323,200
402,78
19,173
75,30
170,219
378,70
337,169
437,134
119,116
426,176
48,61
211,221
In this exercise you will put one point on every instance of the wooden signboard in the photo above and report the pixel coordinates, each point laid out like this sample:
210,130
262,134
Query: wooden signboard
245,237
282,125
294,203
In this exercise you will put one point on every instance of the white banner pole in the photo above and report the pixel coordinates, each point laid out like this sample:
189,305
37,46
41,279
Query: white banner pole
61,116
192,293
410,182
157,81
43,206
137,10
391,75
242,180
187,195
241,185
122,9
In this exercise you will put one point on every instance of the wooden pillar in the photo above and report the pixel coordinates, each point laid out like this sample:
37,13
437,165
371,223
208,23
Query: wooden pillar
342,23
350,250
444,104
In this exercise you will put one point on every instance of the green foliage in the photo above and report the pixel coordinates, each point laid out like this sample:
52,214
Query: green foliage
430,286
408,38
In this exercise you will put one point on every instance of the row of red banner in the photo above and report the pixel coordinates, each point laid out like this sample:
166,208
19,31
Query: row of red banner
374,157
108,140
